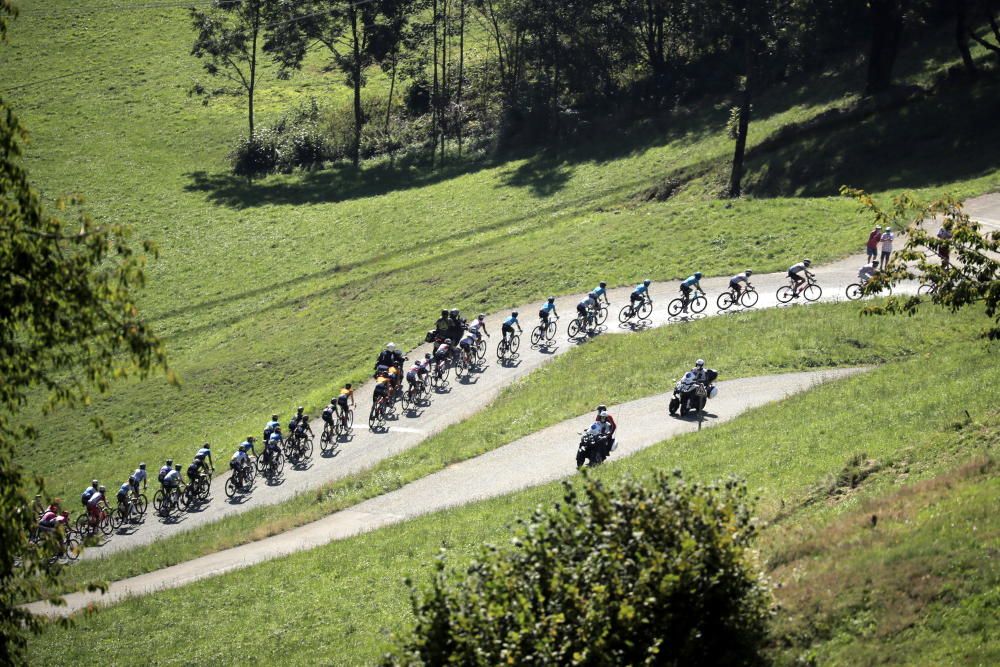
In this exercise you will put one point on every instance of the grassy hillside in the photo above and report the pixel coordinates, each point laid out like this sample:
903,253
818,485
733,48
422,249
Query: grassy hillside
901,423
266,294
755,343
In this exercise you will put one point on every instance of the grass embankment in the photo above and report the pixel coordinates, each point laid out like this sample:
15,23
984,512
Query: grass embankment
905,420
273,294
609,369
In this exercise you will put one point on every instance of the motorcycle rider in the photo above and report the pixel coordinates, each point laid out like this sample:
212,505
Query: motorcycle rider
699,371
389,357
605,418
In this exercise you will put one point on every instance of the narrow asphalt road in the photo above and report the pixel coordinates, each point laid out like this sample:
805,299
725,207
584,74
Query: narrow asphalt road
543,456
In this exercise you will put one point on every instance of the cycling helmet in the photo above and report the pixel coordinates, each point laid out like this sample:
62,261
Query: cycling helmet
482,316
274,417
444,313
699,363
142,466
514,313
390,346
454,312
347,386
244,447
603,284
102,488
552,299
177,467
697,274
250,438
749,272
207,446
646,282
447,341
170,462
602,408
807,262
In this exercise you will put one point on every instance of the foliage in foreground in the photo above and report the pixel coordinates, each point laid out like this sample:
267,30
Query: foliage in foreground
68,323
640,573
958,264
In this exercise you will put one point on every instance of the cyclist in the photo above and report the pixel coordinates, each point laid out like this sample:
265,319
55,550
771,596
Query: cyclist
346,394
89,492
270,426
465,345
195,470
302,428
272,446
735,283
94,505
586,308
50,518
867,271
799,283
548,309
689,283
443,353
415,376
164,469
381,387
138,476
601,293
393,373
123,492
329,411
239,461
478,327
205,453
172,480
249,442
640,293
508,326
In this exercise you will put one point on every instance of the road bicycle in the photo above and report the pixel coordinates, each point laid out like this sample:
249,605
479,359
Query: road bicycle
241,479
63,542
811,292
196,492
379,413
133,510
746,298
695,302
105,522
855,291
300,449
581,324
544,331
601,314
507,347
271,466
927,289
169,501
439,376
640,312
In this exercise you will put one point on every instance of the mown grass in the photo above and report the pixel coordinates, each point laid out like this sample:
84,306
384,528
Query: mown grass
631,366
340,603
271,295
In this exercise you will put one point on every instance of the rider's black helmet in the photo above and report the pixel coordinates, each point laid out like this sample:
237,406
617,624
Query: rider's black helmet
552,299
177,467
274,417
603,284
444,313
602,408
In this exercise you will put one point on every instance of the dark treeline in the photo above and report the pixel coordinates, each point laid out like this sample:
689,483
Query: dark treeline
544,69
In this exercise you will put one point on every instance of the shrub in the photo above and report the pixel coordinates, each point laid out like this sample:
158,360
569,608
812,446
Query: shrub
296,141
644,573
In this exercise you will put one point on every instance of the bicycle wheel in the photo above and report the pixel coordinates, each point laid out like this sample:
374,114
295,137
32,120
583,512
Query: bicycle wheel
550,331
72,548
645,310
231,486
158,499
515,343
537,335
813,292
204,488
307,448
249,475
481,349
117,518
83,524
601,316
749,298
184,499
574,328
699,303
107,525
926,289
502,350
675,307
725,300
785,294
625,314
853,291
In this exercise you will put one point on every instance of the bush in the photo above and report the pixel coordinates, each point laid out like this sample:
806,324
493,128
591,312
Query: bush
655,573
294,142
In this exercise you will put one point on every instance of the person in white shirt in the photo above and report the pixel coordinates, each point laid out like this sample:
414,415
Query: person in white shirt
886,241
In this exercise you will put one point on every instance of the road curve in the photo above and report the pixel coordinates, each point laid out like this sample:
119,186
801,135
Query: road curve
459,402
543,456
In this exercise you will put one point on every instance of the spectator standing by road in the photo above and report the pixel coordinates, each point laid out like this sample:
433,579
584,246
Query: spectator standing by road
872,247
887,239
944,248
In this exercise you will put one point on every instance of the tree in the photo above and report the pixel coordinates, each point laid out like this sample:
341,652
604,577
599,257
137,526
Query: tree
68,324
987,9
230,40
886,19
959,271
644,573
357,33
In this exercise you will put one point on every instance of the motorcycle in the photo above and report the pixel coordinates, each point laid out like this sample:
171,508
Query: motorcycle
594,448
691,395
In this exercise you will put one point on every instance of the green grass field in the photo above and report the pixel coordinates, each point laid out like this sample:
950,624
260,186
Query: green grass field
270,296
906,420
633,366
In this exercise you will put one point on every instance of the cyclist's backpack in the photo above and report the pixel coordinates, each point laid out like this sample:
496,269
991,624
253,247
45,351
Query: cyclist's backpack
328,414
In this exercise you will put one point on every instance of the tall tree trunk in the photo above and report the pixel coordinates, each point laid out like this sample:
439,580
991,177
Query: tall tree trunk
356,75
443,114
253,71
962,35
461,73
736,176
392,88
435,93
887,29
